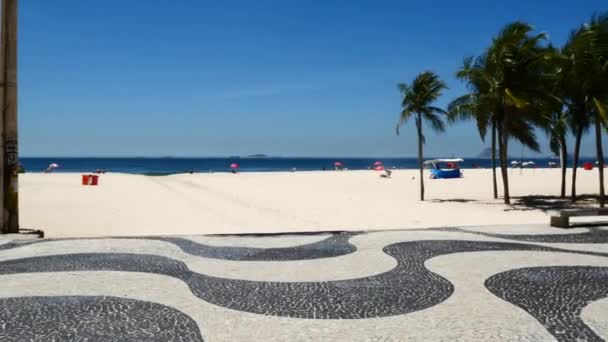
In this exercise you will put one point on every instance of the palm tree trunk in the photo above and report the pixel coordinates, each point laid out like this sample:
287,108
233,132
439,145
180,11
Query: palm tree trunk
563,162
495,186
502,151
577,149
600,159
420,161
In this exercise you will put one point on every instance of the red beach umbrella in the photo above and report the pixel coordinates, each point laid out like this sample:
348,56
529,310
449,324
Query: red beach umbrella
379,167
588,166
234,166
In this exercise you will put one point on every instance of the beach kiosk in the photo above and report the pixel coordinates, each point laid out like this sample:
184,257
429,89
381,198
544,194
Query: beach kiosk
452,170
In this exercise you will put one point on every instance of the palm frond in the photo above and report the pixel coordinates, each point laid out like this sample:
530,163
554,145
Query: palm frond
437,110
403,118
524,133
515,100
482,127
554,144
601,110
435,122
418,97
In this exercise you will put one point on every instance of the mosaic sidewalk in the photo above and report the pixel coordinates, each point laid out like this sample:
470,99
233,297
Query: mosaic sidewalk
453,284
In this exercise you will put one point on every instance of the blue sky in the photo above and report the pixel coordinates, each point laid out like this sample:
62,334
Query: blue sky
291,78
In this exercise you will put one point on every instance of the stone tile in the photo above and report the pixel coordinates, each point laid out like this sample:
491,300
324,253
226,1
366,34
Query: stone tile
454,284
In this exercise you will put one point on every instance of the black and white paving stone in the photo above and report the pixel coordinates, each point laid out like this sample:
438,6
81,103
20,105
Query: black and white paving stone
588,235
406,288
385,286
335,245
555,296
87,318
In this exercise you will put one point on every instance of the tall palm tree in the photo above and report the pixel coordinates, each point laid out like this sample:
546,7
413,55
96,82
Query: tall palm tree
572,86
599,89
510,79
417,101
587,76
557,129
476,105
579,124
556,115
517,65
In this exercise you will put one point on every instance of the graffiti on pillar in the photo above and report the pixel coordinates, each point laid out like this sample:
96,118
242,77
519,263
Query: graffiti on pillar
12,157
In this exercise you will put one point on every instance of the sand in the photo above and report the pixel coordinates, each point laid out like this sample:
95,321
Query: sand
223,203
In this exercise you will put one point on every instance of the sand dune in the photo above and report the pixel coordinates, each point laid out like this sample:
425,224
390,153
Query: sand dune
275,202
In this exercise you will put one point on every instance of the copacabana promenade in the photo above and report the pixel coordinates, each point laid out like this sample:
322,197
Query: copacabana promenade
489,283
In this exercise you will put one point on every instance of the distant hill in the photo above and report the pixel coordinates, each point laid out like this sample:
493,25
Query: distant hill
257,156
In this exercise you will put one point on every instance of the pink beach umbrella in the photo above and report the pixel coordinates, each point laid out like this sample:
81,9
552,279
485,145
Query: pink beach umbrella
338,164
379,167
234,166
377,163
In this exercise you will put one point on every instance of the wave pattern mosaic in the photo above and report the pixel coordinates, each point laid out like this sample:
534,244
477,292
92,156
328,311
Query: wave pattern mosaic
486,283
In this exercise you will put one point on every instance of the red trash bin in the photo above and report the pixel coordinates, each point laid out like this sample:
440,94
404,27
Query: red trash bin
85,179
94,179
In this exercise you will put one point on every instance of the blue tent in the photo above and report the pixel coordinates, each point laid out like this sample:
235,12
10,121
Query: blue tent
438,173
448,173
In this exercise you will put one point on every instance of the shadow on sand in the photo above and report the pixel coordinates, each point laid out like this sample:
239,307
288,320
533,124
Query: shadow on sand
533,202
453,200
545,203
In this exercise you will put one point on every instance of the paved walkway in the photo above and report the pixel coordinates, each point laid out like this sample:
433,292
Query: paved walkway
504,283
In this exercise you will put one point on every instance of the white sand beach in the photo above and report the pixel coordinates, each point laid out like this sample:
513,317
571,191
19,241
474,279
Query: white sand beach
271,202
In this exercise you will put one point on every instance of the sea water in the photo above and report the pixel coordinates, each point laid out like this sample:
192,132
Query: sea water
165,166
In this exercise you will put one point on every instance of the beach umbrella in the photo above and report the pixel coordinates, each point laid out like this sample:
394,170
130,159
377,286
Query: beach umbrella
234,166
53,166
379,167
377,163
338,164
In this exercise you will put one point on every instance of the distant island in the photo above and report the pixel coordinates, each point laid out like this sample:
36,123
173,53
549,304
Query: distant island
258,156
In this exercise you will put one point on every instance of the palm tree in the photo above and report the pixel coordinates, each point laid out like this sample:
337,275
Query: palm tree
557,129
599,89
556,115
572,85
511,76
517,65
417,101
476,105
585,84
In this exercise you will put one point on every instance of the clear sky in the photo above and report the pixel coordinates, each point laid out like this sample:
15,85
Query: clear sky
290,78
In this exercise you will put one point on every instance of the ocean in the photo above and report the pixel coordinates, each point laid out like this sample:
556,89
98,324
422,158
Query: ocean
166,166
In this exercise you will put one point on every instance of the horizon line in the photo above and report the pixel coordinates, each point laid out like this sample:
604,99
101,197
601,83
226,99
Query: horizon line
280,156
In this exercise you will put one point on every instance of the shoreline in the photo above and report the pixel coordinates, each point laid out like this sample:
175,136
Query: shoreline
154,174
164,166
